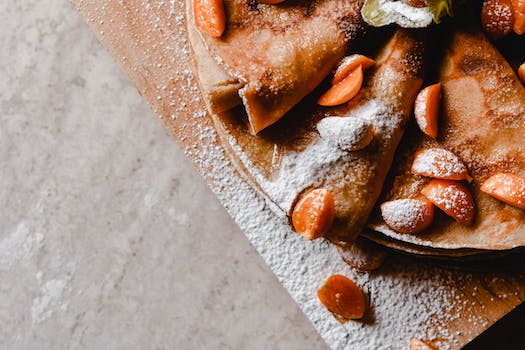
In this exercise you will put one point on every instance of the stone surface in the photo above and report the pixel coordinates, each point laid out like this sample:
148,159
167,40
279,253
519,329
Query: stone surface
108,237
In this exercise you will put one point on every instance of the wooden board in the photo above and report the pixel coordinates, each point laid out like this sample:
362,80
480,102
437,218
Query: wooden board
148,39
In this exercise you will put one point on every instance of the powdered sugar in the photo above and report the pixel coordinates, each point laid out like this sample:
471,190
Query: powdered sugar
316,164
349,134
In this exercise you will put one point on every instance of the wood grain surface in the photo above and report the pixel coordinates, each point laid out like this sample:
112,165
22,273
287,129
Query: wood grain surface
147,39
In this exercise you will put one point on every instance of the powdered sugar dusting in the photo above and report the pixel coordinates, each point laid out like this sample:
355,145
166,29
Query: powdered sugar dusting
314,165
452,200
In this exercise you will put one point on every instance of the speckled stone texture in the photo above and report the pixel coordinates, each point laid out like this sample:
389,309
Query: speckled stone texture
108,237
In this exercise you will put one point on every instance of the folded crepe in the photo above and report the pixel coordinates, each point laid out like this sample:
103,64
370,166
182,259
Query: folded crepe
305,150
272,56
434,253
483,122
385,103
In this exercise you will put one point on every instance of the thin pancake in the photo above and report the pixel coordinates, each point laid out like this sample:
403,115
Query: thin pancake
386,102
291,157
280,53
422,251
483,122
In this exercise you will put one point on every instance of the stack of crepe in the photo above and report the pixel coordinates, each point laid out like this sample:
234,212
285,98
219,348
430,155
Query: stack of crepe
261,80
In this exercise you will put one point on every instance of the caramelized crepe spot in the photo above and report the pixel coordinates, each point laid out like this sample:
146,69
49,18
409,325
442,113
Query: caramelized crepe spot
473,65
416,344
343,298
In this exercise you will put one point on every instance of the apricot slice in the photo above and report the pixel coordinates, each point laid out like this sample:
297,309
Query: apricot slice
349,64
519,16
314,214
439,163
506,187
210,16
497,18
408,215
521,72
343,298
426,109
453,198
343,91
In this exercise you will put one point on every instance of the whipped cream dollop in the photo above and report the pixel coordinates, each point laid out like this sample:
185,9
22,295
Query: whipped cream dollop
380,13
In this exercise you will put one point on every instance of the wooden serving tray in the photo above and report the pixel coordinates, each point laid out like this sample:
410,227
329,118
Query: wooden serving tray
449,304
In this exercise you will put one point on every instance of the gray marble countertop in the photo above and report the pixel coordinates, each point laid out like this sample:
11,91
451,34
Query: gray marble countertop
108,236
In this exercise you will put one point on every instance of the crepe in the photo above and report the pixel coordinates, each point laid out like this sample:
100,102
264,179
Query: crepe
292,157
275,55
385,102
482,122
219,89
428,252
